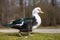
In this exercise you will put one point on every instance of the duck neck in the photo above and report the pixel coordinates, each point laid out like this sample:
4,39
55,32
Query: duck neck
35,15
38,20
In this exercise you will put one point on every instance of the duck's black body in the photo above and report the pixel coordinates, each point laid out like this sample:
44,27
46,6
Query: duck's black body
27,25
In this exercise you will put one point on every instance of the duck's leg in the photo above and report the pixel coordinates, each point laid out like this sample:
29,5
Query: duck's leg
29,30
20,33
28,33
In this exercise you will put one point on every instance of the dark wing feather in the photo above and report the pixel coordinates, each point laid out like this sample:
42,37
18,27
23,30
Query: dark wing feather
27,20
30,20
19,21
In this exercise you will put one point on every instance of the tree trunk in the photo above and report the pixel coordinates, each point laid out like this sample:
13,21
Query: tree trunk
53,2
21,9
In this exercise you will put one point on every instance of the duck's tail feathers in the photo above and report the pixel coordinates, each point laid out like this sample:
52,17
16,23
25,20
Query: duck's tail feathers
8,25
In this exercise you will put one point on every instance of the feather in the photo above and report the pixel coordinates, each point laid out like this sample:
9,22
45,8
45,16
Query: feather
25,20
19,22
8,25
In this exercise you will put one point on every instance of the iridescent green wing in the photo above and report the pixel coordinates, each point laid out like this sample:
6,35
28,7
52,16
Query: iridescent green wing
27,20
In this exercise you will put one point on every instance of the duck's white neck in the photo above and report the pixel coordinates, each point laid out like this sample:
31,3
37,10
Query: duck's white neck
38,19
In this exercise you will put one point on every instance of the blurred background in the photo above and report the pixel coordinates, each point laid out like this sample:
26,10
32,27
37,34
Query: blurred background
16,9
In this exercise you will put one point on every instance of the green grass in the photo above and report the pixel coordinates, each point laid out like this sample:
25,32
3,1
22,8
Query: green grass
37,36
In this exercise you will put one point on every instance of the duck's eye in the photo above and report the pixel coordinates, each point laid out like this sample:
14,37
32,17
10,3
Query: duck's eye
38,9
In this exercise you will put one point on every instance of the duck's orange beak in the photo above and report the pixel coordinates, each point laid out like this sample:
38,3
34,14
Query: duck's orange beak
41,11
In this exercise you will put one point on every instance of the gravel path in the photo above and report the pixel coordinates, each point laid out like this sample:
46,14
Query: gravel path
47,30
36,30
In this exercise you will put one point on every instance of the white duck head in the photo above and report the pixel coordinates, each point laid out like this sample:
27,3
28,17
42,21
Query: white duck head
37,10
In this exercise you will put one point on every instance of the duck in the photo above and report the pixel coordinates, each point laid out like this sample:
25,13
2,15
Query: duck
27,24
